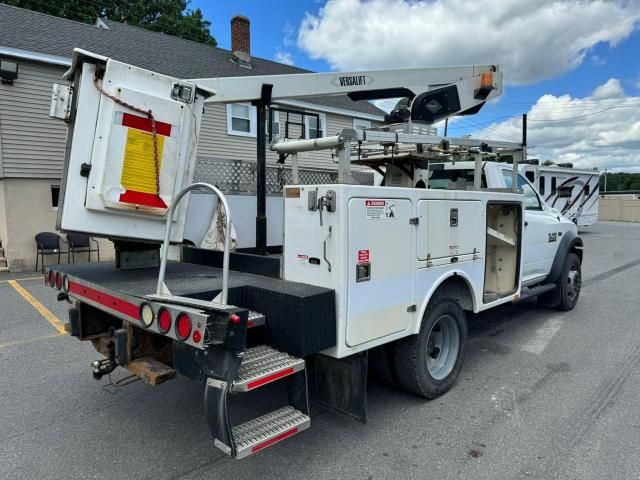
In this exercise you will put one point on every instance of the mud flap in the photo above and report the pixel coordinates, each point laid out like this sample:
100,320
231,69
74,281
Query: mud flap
217,414
341,384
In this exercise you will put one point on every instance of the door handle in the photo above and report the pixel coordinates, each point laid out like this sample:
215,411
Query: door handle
324,247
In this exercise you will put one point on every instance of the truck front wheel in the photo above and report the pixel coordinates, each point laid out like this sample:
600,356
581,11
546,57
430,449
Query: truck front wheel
570,282
428,363
565,295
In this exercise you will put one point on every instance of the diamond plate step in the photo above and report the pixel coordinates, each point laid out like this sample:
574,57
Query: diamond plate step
262,432
256,319
262,365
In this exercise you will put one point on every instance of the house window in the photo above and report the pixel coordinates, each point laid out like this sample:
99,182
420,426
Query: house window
241,119
55,195
312,130
360,124
275,123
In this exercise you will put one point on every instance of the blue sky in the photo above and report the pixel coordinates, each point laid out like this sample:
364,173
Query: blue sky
554,55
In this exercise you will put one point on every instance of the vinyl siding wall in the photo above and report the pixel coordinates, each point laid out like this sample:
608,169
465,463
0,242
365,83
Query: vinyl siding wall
32,143
214,143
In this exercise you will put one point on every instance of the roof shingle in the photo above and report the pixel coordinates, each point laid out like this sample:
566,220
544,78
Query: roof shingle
41,33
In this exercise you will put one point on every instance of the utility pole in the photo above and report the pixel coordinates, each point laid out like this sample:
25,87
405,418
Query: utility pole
605,179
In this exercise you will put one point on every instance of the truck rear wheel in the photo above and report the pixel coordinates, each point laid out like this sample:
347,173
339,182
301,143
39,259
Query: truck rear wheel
428,363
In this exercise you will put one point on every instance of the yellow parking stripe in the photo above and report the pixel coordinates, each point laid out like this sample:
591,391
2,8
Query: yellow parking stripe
22,279
31,340
42,310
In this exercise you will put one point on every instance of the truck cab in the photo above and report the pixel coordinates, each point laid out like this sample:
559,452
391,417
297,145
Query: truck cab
544,225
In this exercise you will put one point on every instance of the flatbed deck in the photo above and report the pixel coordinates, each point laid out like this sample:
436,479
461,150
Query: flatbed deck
301,318
182,279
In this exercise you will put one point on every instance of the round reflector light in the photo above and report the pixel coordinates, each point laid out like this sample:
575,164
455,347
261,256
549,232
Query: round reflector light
58,281
146,315
164,320
65,284
183,326
197,336
52,278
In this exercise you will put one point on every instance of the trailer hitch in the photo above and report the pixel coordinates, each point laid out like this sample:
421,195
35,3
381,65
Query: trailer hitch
102,367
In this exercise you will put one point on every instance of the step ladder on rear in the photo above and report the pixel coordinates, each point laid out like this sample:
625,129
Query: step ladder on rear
260,366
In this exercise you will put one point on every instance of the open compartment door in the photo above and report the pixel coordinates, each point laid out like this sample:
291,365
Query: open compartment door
503,250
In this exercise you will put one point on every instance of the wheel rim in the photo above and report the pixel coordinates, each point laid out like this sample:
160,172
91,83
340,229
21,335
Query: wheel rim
443,346
574,282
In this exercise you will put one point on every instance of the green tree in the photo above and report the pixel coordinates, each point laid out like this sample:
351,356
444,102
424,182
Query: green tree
620,181
172,17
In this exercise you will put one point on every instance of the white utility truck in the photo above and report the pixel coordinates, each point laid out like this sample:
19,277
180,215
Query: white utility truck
368,276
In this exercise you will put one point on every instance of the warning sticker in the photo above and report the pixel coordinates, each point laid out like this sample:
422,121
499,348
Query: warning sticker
139,170
363,256
302,258
379,209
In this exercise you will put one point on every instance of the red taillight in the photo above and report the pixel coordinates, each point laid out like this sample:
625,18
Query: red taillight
183,326
52,278
197,336
164,320
58,281
235,319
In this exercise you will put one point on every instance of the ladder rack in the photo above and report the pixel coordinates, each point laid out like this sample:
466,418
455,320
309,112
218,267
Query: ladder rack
376,148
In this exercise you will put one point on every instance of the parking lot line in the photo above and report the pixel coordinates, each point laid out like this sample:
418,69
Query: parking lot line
31,340
21,279
40,308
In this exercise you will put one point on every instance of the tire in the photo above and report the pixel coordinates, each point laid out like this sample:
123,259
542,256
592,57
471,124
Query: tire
443,333
569,283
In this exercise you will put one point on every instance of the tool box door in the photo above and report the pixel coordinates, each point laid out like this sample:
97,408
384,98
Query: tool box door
449,228
380,267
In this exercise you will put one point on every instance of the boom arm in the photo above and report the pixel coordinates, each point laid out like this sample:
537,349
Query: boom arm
434,93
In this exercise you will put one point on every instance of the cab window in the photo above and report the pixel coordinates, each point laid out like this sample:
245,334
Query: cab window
453,179
531,201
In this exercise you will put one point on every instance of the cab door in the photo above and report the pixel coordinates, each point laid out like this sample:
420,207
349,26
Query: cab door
540,234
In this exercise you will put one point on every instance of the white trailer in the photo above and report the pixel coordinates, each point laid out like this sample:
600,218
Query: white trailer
370,276
572,191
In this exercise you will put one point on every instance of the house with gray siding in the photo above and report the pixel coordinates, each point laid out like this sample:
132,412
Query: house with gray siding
32,144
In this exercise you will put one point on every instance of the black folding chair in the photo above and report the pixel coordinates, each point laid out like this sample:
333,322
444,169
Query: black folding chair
47,243
81,243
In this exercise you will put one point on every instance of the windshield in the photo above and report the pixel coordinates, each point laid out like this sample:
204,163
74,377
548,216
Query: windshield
453,179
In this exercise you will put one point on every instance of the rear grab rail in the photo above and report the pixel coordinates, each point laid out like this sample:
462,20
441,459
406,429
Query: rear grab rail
162,290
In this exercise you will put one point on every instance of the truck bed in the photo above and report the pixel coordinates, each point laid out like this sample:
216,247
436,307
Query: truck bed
183,279
301,318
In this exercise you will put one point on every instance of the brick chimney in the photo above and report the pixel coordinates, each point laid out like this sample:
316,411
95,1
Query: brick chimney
241,38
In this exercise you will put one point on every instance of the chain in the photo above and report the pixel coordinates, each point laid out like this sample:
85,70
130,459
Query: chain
149,114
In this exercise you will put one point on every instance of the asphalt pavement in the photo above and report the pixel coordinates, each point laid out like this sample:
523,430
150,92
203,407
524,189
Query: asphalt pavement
543,394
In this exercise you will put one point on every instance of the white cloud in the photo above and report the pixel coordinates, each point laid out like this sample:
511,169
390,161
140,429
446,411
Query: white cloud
283,57
601,130
289,38
611,89
532,40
